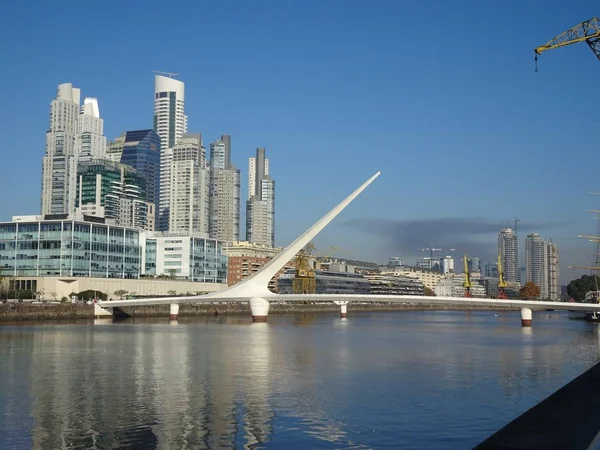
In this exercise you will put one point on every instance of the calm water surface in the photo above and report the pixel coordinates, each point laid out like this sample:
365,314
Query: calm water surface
406,380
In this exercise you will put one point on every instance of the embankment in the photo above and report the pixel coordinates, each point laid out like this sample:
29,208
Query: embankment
23,311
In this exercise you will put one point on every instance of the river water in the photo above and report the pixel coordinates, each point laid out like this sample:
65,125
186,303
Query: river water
393,380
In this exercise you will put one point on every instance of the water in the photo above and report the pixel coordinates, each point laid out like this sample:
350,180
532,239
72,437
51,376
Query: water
410,380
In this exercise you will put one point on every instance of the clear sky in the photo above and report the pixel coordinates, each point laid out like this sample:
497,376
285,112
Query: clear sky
440,96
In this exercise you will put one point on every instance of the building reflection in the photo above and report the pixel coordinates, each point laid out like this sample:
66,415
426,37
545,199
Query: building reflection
221,383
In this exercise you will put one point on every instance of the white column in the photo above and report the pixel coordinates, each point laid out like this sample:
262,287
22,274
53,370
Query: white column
343,307
526,317
259,308
173,311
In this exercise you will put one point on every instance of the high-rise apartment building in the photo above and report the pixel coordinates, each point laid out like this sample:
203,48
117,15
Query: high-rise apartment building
224,193
113,191
170,121
73,134
508,247
184,198
141,150
474,264
541,265
260,207
90,141
114,149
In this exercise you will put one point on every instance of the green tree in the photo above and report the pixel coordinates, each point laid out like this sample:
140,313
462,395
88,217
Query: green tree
172,292
172,273
120,293
90,294
530,291
579,287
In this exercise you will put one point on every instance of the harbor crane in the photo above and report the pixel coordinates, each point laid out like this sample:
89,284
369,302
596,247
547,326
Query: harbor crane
588,32
467,284
502,284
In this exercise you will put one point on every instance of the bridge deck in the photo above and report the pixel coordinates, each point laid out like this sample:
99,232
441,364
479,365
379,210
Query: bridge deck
567,419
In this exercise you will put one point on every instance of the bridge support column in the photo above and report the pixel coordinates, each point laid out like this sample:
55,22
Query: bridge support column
99,311
259,308
173,311
526,317
343,308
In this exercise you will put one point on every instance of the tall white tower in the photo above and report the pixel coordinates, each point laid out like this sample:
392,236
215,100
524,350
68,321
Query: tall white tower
59,166
170,121
74,135
260,207
186,194
224,193
508,247
90,142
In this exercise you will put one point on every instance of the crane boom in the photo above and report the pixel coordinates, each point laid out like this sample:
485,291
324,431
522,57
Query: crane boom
588,31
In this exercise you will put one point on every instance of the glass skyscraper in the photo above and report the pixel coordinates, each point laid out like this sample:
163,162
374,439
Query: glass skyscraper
141,151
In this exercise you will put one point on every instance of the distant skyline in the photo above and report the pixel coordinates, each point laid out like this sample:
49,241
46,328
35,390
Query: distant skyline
463,129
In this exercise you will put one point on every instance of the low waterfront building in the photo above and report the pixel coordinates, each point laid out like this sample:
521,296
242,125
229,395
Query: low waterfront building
246,258
327,283
429,278
58,246
395,285
454,286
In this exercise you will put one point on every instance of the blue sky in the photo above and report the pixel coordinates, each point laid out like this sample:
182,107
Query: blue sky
440,96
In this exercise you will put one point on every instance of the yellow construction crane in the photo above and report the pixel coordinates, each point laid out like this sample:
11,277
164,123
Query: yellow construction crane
326,256
588,31
304,281
502,284
467,284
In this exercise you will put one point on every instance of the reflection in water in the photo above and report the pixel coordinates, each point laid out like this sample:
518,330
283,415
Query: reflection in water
384,380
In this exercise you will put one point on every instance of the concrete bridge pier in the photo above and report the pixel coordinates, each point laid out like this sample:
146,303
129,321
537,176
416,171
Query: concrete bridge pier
526,317
259,307
173,311
343,304
100,312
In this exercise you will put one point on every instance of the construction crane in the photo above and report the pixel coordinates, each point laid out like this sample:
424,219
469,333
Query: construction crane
432,249
515,221
588,31
502,284
304,280
467,284
326,256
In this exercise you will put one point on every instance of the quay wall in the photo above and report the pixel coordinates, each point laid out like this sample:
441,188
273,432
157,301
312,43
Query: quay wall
28,311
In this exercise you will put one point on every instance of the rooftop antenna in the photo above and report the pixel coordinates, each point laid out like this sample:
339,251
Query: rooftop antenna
167,74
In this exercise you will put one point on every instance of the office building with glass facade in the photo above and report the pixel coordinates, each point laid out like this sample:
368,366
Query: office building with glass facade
141,150
52,246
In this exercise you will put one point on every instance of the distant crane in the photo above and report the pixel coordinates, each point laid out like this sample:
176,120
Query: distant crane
588,32
502,284
514,221
467,284
167,74
432,249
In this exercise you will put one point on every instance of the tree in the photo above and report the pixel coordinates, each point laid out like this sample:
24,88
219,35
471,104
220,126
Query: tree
581,286
91,294
172,273
429,292
120,293
172,292
530,291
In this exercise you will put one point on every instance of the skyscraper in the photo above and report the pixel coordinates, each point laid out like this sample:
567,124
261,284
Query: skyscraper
260,207
508,247
170,121
90,141
224,193
114,191
141,150
541,265
184,188
73,134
